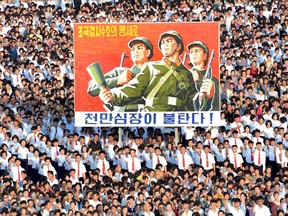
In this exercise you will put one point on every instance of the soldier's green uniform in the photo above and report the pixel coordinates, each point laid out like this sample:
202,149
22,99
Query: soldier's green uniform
212,104
164,85
111,78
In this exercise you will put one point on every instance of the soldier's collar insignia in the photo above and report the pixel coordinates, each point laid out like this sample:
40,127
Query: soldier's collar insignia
171,63
178,63
167,61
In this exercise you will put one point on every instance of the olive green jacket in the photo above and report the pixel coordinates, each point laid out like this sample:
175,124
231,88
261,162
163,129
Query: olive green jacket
174,94
111,81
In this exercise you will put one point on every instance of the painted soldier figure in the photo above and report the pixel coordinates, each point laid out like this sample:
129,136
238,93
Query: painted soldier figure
208,87
141,52
165,85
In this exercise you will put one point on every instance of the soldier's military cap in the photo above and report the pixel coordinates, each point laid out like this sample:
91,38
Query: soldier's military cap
199,44
143,40
173,34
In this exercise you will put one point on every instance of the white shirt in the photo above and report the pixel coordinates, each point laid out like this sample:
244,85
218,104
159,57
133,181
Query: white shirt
275,123
259,139
262,128
282,139
54,151
280,156
267,117
192,153
246,120
137,164
148,214
4,163
100,166
269,132
261,97
189,213
74,180
239,127
162,160
238,142
109,150
239,159
187,158
262,158
15,173
53,182
208,142
264,211
211,161
94,203
226,154
16,80
234,211
84,156
45,169
56,133
78,147
248,135
267,13
103,140
189,132
212,213
23,152
214,132
76,166
33,138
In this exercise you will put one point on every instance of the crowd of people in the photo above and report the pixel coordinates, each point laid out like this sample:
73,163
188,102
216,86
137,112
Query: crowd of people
50,167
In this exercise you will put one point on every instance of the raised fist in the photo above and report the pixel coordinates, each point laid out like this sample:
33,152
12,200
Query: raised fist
106,96
207,88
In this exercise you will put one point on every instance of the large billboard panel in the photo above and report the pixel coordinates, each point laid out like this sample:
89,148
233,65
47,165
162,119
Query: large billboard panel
147,74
